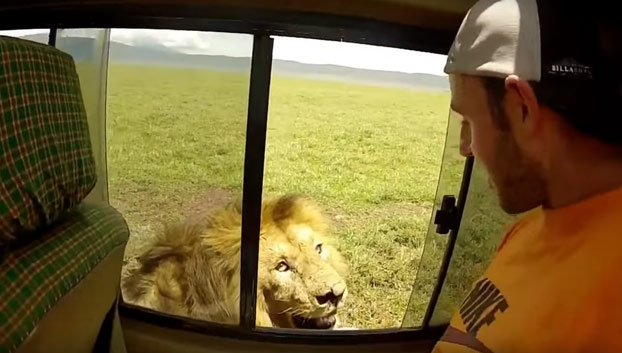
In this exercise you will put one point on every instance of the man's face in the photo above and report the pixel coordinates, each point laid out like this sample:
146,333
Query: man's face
489,136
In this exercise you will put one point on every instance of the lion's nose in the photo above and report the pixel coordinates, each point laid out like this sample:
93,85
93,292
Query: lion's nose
334,296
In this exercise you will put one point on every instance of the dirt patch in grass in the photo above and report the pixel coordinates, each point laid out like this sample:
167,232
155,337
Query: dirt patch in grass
204,204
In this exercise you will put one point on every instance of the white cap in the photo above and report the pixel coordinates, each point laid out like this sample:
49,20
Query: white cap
528,38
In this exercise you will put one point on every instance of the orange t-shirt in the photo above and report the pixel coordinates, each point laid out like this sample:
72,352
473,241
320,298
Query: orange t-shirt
555,285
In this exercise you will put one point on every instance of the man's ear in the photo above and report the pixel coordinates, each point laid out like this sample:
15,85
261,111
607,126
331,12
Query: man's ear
522,106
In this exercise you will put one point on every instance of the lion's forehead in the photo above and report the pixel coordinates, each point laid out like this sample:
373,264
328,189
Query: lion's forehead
297,238
297,245
301,233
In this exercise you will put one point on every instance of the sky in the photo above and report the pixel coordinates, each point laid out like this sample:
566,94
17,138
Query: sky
303,50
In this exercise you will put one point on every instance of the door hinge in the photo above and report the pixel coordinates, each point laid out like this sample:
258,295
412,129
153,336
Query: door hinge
446,218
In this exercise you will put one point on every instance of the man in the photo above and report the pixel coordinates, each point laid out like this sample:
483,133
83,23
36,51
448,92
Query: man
538,90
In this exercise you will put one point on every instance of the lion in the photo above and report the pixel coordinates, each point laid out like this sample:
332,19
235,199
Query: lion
193,269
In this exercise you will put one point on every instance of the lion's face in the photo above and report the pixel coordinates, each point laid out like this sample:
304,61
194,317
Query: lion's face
301,273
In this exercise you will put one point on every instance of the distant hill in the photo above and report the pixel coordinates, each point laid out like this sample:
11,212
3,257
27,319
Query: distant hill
159,55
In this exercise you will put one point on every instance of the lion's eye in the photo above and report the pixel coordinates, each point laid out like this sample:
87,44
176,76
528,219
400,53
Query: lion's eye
282,266
318,248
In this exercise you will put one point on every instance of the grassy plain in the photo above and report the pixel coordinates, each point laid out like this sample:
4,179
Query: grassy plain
371,156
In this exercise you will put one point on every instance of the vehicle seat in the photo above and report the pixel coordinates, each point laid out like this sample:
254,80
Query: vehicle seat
60,258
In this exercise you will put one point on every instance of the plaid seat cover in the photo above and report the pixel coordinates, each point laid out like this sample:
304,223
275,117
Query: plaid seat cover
35,276
49,241
46,163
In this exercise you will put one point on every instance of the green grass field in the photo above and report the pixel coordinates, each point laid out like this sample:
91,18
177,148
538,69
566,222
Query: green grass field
371,156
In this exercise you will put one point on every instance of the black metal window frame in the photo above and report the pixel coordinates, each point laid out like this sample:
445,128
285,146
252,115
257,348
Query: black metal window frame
259,25
254,157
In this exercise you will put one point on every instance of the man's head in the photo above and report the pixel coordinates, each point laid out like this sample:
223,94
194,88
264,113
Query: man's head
493,131
526,83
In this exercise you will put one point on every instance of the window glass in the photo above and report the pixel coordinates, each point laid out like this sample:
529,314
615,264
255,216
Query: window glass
177,108
360,131
482,228
435,243
89,49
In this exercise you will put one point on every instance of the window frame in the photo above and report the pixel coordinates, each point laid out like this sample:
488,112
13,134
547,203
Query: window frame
261,24
254,161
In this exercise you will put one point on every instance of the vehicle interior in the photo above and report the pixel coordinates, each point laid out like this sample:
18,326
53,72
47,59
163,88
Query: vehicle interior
63,243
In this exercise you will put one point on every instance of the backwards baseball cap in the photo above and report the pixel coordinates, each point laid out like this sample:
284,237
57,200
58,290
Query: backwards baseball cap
567,47
533,39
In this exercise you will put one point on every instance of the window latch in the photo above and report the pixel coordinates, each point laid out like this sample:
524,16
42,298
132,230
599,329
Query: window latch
446,218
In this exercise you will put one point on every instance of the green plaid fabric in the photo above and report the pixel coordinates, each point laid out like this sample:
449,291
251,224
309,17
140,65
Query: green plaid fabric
49,240
35,276
46,163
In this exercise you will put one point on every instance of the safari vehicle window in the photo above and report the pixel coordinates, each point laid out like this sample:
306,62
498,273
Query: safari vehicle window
463,254
437,249
355,131
89,49
481,231
177,108
358,131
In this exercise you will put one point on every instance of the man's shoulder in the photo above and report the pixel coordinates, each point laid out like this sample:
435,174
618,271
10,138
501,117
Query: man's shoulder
529,218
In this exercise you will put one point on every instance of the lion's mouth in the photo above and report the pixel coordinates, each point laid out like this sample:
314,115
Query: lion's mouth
320,323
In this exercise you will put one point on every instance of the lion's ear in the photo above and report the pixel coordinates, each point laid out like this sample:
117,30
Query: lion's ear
295,209
285,208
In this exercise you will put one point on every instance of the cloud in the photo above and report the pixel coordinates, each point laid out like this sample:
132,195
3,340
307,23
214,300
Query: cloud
361,56
309,51
189,42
